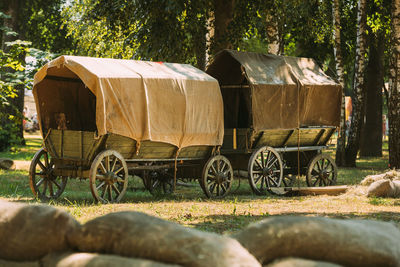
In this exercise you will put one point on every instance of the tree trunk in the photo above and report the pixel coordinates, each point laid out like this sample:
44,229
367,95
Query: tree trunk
394,89
272,29
341,141
17,104
371,140
223,15
357,118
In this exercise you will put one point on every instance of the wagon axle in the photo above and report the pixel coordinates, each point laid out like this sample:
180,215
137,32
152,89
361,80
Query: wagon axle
110,178
221,177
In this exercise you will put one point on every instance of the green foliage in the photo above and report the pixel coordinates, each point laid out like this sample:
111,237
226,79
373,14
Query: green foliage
149,30
93,37
12,75
40,22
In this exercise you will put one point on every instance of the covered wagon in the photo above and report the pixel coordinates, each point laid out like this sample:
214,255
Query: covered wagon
279,114
103,119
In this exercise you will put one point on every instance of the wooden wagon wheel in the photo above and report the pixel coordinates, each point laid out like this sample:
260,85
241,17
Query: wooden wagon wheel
160,182
108,177
44,184
217,177
265,170
322,171
288,180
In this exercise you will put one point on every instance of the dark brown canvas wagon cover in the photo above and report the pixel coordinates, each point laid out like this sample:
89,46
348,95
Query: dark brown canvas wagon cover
165,102
285,92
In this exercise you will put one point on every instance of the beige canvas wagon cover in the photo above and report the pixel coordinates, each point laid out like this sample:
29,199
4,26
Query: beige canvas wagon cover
285,92
165,102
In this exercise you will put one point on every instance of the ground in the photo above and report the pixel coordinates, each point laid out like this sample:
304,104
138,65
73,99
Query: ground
189,206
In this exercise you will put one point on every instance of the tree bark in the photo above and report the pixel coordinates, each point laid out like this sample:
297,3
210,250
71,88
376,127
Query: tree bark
223,15
371,140
394,89
17,104
272,29
357,118
337,50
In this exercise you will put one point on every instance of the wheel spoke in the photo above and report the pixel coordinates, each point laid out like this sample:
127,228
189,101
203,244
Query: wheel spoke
316,180
262,183
218,192
212,187
218,162
113,163
223,188
100,177
117,171
213,169
211,183
211,176
258,163
156,183
116,189
40,182
41,165
223,166
273,162
46,160
322,164
273,180
262,159
318,165
258,179
107,161
258,172
110,196
103,169
51,189
58,186
100,185
44,187
120,180
104,191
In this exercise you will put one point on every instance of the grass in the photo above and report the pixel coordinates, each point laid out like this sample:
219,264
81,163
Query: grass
26,152
188,205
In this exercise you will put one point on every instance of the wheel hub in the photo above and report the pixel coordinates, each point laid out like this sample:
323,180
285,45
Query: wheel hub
324,174
267,171
220,177
110,178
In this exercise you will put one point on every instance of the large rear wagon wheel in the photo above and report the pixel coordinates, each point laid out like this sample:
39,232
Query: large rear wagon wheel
265,170
108,177
217,177
45,185
322,171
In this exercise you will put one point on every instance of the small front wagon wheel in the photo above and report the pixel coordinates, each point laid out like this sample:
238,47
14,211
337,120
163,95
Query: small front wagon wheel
217,177
265,170
108,177
322,171
45,185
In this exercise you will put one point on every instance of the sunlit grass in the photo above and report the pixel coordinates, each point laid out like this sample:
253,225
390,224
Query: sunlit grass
189,206
24,152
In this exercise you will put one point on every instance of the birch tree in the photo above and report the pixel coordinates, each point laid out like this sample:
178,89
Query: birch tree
357,117
394,89
341,142
272,30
